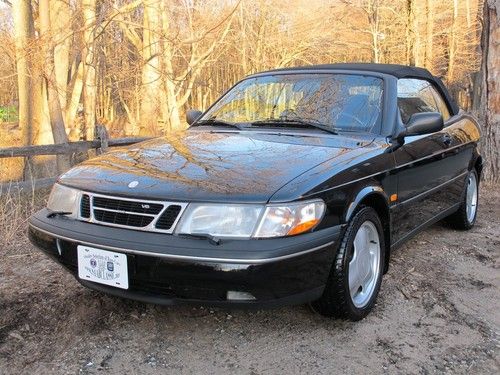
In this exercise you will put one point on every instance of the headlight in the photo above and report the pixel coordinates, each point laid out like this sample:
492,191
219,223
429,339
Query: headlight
63,199
290,219
245,221
219,220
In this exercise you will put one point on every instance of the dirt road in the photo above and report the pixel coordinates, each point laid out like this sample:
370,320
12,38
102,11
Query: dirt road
438,311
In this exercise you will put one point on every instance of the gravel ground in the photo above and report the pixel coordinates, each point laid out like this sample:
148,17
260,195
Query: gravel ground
438,312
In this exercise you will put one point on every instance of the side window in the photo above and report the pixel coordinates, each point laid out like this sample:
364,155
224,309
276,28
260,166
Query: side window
441,104
414,96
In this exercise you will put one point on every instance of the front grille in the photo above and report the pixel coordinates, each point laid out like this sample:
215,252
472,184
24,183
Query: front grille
85,206
120,218
129,206
167,219
150,216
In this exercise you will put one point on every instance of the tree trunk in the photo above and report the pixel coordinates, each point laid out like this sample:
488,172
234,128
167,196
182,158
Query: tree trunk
89,70
452,44
42,129
55,111
24,32
244,40
410,32
429,35
60,16
74,102
374,21
467,13
488,106
151,70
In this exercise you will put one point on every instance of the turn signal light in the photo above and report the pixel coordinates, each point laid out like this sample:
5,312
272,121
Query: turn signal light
303,227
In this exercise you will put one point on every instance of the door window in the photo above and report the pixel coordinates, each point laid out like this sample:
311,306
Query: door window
414,96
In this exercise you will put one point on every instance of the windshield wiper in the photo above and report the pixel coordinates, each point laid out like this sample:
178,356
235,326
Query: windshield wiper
298,122
57,213
202,236
216,122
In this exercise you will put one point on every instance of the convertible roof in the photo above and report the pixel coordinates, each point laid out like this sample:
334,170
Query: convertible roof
398,71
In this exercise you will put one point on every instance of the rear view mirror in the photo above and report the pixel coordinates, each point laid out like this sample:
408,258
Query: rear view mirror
192,115
424,123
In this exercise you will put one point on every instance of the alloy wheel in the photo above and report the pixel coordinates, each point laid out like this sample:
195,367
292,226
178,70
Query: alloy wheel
471,197
364,267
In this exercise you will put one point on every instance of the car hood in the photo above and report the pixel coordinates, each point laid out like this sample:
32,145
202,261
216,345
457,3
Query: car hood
195,165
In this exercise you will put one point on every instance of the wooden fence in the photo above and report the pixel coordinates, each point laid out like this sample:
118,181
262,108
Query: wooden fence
100,144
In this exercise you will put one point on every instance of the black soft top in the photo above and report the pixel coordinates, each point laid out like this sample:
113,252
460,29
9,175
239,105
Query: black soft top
398,71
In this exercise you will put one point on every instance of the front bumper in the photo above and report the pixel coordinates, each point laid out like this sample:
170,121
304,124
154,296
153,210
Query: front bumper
168,269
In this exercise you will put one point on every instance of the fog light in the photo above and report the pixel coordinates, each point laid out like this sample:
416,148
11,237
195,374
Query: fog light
239,296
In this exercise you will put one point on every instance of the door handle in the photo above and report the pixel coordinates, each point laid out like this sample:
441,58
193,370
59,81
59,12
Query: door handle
446,139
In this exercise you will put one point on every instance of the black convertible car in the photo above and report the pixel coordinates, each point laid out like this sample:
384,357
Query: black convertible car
294,187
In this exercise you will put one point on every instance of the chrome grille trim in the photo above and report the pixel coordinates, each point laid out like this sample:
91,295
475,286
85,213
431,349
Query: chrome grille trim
151,227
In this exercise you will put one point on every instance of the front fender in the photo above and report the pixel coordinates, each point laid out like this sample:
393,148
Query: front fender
376,197
360,196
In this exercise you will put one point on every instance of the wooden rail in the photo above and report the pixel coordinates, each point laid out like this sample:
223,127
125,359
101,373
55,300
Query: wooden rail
30,185
66,148
100,144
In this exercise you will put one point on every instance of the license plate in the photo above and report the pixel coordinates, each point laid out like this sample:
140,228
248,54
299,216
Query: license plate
102,266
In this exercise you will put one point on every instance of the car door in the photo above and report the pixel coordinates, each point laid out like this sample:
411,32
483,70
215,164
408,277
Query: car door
429,177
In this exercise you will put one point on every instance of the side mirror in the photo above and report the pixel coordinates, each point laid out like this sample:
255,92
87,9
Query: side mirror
192,115
423,123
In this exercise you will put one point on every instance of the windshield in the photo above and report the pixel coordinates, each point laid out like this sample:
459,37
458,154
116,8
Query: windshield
340,102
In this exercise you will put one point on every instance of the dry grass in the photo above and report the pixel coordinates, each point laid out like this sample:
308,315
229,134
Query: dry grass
16,206
11,169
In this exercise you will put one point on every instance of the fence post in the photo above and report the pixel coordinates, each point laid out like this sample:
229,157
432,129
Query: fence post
102,136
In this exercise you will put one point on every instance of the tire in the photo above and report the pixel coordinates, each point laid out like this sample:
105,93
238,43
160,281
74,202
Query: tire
337,300
463,219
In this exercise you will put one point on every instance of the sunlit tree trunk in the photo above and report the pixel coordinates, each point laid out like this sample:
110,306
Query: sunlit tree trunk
452,43
487,105
42,127
60,17
413,39
429,34
244,40
172,114
74,100
89,67
151,70
468,13
54,106
372,11
24,32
